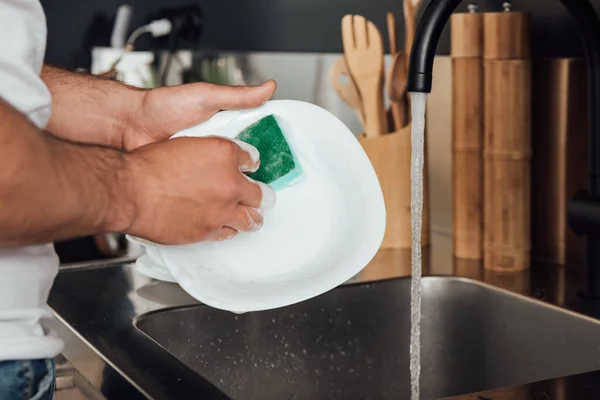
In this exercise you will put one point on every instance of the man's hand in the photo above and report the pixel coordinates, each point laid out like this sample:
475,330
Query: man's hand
165,111
87,109
192,189
176,191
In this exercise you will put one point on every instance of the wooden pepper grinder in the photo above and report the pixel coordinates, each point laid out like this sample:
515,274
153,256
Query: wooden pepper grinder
507,140
467,134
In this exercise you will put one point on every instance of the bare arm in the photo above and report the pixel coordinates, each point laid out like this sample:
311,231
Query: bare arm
51,189
89,109
176,191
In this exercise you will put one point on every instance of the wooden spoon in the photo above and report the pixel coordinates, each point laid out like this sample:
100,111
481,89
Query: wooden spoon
396,85
344,85
396,79
363,48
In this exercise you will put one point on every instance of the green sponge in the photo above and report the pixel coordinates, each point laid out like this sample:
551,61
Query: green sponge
278,165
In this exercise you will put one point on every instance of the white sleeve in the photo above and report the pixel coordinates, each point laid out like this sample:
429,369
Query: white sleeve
22,48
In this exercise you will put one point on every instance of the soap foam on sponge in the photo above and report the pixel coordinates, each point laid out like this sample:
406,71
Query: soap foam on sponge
278,165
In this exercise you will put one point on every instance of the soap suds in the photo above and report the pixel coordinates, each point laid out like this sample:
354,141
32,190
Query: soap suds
252,223
230,236
268,195
252,151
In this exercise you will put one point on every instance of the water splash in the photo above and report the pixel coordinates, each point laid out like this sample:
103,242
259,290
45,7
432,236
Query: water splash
418,101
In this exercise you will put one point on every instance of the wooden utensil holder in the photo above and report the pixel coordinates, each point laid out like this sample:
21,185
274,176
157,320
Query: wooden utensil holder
390,155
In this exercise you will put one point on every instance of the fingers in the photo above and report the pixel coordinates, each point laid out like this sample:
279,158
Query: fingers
224,233
248,157
239,97
245,219
257,195
253,194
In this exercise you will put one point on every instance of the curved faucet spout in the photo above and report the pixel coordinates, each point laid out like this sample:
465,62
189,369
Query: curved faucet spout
427,36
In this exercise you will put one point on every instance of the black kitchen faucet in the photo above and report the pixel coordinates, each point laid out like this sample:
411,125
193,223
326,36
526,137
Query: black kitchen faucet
583,211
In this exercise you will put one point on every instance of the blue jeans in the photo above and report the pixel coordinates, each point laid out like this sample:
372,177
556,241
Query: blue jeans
27,380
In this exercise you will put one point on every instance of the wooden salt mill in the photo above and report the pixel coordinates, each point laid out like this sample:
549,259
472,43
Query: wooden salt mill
507,140
467,134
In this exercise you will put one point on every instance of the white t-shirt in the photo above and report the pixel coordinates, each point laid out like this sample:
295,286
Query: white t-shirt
26,274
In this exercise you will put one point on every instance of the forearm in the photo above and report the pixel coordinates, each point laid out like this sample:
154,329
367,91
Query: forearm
88,109
51,189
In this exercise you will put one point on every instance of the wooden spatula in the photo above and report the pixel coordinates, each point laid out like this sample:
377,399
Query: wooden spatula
363,48
344,85
396,87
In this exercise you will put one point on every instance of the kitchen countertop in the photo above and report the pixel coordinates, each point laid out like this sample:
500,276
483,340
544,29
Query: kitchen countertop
96,311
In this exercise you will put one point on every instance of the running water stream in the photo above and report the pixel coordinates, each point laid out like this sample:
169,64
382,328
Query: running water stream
418,101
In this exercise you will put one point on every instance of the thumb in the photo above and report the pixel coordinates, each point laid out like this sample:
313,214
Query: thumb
239,97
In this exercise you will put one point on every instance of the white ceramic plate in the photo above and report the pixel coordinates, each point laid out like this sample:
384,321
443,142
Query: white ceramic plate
147,266
323,230
151,263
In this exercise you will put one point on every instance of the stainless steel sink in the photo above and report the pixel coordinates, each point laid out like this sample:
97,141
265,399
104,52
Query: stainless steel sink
352,343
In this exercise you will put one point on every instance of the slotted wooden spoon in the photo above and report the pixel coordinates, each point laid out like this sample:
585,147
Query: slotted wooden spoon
363,48
344,85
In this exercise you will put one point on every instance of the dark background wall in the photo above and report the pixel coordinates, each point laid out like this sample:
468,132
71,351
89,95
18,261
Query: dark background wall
274,25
